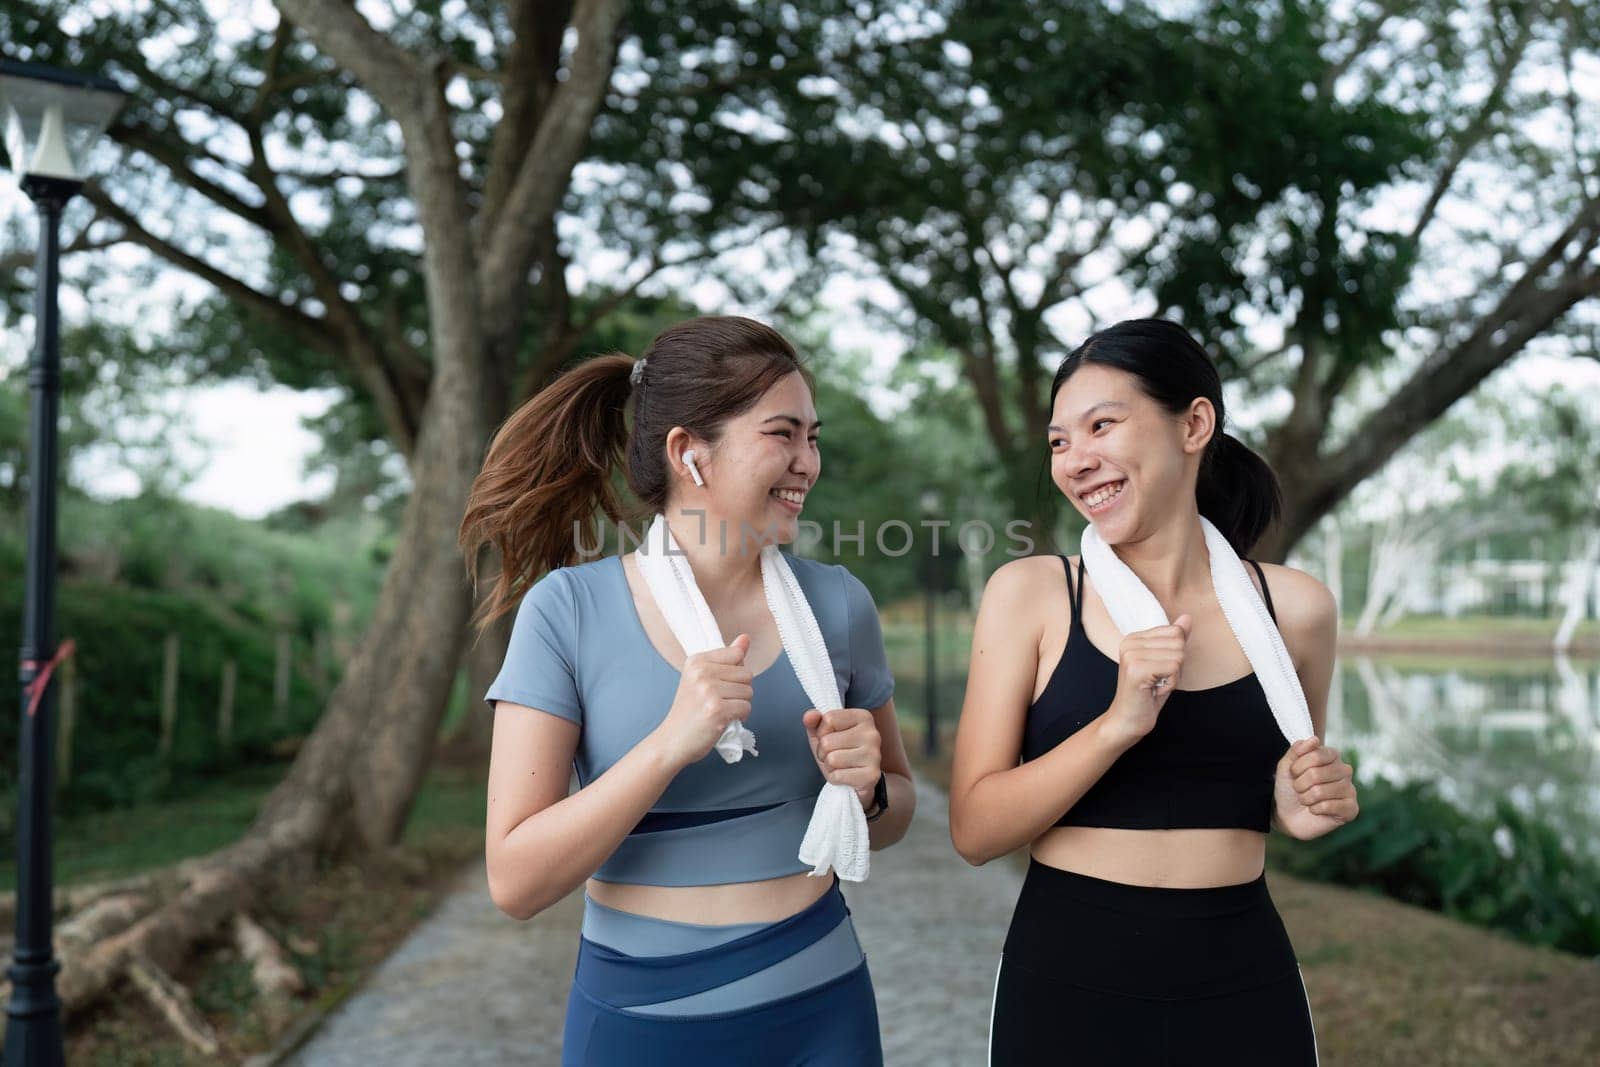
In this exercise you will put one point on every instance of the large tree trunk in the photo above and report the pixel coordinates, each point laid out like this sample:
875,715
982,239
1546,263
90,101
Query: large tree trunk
415,643
396,692
367,755
480,663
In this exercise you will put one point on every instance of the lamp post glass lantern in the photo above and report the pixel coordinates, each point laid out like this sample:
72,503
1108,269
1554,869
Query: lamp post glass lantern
51,119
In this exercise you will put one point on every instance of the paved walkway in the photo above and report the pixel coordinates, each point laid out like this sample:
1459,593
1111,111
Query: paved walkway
472,986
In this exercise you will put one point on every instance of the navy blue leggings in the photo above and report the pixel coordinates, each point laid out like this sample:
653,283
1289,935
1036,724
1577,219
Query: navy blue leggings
834,1024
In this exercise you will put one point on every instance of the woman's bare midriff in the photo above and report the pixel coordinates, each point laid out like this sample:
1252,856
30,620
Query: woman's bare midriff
736,902
1177,859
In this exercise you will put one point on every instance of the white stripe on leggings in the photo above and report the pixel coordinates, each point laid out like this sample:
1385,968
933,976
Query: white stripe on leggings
993,998
1315,1054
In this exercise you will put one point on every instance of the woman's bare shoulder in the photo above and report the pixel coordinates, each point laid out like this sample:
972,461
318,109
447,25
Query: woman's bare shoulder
1021,577
1024,592
1305,606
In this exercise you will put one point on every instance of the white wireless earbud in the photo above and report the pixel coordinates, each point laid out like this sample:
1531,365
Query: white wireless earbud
694,471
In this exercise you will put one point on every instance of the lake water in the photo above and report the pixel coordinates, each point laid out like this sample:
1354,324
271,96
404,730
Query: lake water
1523,728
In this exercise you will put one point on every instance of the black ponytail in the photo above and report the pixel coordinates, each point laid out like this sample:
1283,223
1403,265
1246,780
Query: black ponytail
1237,491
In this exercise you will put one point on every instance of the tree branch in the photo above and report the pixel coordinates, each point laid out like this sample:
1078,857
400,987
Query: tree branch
307,328
1475,130
313,179
398,386
391,74
176,158
1247,370
1581,171
559,347
13,261
174,95
1369,37
412,90
1067,261
979,369
1527,309
557,338
529,84
545,169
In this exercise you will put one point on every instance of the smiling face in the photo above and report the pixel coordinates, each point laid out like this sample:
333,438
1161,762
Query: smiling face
1124,461
758,473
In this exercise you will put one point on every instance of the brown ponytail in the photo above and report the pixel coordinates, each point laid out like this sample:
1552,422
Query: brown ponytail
548,467
548,472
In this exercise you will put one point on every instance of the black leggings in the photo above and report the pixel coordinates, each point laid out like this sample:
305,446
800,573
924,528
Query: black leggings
1098,972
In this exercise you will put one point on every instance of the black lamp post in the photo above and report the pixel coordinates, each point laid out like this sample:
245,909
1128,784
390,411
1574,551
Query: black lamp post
52,118
930,737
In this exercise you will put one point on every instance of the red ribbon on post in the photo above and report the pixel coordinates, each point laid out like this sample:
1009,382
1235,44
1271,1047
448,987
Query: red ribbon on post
45,668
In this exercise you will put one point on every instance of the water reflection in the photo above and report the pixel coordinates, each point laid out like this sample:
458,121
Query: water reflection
1526,729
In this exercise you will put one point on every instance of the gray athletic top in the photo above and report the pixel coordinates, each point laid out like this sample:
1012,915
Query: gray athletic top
579,651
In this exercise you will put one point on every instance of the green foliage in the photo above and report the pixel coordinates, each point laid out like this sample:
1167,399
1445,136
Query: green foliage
973,156
1557,479
136,570
109,380
871,476
1508,870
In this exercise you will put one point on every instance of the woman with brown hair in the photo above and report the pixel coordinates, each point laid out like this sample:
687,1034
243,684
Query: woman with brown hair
705,937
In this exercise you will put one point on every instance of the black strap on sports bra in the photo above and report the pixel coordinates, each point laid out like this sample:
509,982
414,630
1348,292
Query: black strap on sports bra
1075,591
1266,594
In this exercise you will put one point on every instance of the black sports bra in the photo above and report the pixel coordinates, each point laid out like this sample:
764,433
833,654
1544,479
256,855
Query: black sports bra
1209,761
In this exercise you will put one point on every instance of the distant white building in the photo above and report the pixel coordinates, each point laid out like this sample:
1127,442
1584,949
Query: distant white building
1482,585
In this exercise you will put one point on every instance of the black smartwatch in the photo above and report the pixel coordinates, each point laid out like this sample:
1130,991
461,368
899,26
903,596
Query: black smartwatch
880,797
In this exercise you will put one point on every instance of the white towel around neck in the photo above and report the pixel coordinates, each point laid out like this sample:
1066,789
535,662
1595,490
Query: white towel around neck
1133,608
837,834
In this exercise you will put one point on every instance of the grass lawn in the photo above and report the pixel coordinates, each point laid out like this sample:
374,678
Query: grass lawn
1470,626
1394,984
113,844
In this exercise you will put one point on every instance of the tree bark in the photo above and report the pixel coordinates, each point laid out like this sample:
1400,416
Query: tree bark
480,662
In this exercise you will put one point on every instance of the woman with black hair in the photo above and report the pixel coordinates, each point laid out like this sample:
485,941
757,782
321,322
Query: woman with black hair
1144,762
709,771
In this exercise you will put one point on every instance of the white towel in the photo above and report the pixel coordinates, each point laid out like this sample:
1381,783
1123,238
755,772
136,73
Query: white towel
1133,608
837,834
